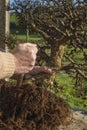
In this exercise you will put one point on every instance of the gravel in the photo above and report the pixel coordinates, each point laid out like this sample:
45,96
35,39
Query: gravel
78,122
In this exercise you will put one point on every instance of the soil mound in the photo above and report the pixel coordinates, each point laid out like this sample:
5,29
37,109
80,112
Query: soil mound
31,108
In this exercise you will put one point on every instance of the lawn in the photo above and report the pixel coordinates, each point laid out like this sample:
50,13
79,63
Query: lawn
21,35
32,37
66,90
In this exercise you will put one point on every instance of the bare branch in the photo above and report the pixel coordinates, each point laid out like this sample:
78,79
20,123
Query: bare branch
75,66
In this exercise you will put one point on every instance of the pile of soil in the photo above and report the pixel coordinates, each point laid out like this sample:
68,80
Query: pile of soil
31,108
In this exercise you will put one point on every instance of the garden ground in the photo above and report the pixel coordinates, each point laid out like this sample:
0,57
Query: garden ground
79,122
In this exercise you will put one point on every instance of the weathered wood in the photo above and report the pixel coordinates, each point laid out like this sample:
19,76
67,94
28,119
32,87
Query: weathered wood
4,22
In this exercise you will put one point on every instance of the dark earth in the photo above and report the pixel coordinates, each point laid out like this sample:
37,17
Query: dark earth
31,107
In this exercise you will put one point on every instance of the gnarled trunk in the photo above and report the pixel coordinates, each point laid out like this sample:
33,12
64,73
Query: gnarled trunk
57,52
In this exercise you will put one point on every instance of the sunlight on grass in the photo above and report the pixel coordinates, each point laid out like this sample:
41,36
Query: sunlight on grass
23,37
66,91
13,18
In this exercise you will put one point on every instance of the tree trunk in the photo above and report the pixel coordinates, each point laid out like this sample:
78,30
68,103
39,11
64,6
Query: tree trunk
57,52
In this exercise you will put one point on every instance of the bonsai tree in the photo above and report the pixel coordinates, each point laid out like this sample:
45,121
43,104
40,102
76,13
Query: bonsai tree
61,24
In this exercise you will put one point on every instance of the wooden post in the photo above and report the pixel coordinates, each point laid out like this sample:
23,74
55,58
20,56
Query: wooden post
4,22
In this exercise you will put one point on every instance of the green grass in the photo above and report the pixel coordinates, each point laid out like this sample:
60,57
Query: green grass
66,91
12,18
21,35
31,37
